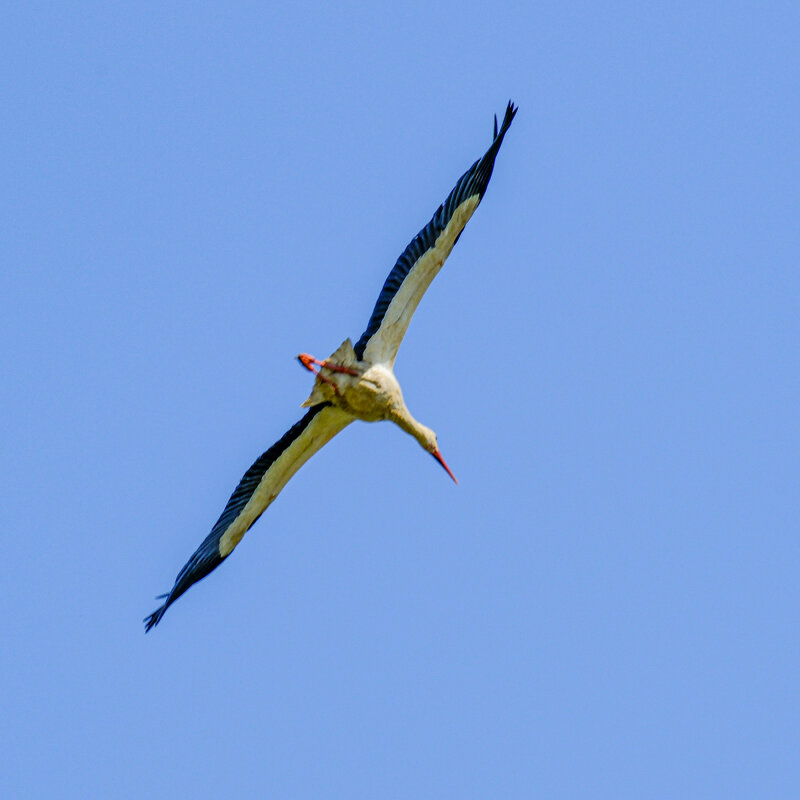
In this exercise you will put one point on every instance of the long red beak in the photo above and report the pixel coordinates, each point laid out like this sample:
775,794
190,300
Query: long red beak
438,456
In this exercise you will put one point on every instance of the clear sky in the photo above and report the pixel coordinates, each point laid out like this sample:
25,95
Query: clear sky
608,603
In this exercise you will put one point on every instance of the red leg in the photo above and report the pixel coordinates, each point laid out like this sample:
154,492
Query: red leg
307,361
339,368
328,381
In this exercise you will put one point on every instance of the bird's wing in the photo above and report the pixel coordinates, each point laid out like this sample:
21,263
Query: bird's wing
424,256
256,490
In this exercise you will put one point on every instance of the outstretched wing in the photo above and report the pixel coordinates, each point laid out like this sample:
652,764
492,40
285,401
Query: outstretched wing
256,490
424,256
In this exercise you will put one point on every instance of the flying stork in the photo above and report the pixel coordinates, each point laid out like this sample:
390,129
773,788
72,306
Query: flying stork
356,382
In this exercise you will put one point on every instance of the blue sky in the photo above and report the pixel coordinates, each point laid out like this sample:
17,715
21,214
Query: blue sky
607,605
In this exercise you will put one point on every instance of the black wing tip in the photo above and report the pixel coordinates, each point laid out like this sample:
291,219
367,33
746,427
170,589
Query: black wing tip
198,566
482,170
153,619
511,112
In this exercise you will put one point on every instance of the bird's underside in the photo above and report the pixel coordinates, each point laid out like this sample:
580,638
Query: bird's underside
369,392
356,382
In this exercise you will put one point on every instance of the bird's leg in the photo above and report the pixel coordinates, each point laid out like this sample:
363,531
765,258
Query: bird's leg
307,361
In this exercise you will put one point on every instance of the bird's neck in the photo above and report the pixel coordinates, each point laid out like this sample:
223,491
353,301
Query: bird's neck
402,417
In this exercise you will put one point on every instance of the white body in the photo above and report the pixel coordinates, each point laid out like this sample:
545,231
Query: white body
372,394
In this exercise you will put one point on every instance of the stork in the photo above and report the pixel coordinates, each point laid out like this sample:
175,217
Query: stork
355,382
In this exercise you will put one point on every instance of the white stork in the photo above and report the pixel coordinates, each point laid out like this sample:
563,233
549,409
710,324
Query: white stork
356,382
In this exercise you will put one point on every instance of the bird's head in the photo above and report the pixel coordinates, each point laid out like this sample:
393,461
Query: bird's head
422,433
427,439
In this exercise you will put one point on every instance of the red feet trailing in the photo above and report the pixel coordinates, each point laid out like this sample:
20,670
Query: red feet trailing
308,361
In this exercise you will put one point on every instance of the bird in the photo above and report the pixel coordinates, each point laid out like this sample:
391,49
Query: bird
355,382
